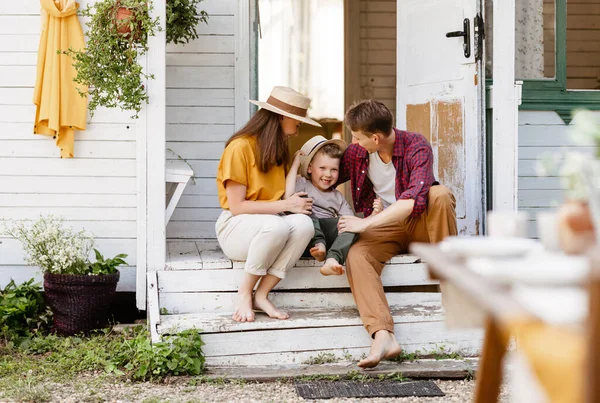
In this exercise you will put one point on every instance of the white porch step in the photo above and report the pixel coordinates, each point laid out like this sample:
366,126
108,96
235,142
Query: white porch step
312,332
298,278
223,302
199,284
423,307
207,254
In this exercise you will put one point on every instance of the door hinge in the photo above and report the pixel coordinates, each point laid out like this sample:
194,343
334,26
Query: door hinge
479,36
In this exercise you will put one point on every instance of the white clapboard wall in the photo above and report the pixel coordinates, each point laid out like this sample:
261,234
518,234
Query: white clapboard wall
378,51
96,190
541,132
200,115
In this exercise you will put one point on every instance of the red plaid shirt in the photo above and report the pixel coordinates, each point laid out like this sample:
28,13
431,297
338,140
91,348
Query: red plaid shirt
413,160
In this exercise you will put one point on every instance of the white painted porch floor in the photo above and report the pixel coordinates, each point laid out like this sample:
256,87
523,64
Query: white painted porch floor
198,285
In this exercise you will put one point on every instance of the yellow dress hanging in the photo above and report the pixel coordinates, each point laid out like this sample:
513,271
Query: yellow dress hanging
60,110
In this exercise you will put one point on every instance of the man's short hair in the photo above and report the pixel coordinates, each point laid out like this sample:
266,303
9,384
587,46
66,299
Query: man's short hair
369,116
331,150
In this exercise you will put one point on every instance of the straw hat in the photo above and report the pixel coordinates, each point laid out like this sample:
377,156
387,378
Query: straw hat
311,147
287,102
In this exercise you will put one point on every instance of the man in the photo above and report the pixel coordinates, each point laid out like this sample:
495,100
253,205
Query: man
396,167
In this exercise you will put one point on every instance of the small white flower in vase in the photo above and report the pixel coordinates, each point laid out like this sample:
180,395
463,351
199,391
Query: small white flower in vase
579,170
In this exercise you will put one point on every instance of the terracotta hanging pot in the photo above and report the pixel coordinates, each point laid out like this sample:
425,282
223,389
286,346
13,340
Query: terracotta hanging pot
575,227
122,20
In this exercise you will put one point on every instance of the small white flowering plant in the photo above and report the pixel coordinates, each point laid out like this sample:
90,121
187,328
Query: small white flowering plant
57,249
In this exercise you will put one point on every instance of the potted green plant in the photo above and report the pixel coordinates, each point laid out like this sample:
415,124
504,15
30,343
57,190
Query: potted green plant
78,291
108,67
182,18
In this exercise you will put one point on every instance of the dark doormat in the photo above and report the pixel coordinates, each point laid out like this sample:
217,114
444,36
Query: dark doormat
328,390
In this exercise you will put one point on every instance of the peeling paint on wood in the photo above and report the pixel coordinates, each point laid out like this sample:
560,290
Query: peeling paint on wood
448,126
418,119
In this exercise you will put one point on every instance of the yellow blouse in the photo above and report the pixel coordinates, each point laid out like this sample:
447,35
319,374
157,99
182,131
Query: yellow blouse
239,164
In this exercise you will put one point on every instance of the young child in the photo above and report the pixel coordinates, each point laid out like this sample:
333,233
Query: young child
319,162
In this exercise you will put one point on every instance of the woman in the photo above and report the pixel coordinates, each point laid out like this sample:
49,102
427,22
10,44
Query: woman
251,183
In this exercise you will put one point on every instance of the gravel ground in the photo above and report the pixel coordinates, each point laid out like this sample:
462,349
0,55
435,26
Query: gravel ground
94,391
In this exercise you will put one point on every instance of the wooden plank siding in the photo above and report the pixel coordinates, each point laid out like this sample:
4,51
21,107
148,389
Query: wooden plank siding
378,51
96,190
541,132
583,43
200,115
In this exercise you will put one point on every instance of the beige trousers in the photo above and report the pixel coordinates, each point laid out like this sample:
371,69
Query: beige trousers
268,243
376,246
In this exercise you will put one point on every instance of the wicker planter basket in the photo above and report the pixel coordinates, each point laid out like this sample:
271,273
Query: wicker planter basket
80,303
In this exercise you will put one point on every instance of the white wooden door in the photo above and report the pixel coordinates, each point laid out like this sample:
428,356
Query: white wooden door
439,94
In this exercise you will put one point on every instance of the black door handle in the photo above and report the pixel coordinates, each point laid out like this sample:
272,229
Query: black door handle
466,34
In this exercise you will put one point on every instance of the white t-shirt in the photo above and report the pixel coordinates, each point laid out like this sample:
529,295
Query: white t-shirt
383,178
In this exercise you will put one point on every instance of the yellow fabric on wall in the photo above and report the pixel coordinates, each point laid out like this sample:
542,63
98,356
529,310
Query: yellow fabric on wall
60,110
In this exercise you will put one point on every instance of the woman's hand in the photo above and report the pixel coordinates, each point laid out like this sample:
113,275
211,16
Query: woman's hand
299,203
377,206
296,161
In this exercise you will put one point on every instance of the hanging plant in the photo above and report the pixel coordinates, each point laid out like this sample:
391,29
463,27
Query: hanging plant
182,18
117,36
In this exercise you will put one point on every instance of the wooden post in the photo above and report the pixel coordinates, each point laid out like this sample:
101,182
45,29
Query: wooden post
151,162
489,373
592,383
505,109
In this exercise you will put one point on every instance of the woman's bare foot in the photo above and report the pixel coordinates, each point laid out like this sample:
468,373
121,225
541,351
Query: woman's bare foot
262,303
318,252
243,308
332,268
384,346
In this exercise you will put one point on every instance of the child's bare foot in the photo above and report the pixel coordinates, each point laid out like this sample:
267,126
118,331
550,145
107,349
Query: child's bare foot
318,252
243,308
332,268
262,303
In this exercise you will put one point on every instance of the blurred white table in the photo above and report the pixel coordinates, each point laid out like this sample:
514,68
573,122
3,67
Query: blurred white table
537,287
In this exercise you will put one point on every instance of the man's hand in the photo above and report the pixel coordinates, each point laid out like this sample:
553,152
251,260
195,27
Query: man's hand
349,223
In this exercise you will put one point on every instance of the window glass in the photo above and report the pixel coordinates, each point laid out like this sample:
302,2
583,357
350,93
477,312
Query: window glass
535,44
534,39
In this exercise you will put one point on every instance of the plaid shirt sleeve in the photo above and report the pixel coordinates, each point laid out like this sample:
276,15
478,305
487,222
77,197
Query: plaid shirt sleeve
345,167
420,165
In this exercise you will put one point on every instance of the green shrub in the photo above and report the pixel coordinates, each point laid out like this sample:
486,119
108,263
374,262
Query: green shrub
22,310
180,354
129,354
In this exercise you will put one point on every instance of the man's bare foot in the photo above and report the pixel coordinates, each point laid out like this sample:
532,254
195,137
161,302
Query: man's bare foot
384,346
318,252
243,308
332,268
262,303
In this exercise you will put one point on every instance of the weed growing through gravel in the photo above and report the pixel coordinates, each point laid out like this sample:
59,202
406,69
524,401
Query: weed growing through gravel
440,353
322,358
106,355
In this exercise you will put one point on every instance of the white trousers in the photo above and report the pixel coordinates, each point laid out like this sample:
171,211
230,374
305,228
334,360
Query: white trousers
268,243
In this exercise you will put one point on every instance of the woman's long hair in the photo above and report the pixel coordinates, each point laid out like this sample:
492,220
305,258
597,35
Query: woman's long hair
271,143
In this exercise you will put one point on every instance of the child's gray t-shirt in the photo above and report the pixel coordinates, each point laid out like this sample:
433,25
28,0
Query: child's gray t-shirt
326,204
